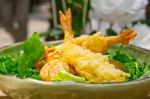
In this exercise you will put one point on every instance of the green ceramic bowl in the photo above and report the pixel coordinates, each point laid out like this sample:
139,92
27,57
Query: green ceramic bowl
33,89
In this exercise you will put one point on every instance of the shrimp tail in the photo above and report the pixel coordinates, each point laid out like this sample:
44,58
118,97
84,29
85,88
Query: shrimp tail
124,37
127,36
66,23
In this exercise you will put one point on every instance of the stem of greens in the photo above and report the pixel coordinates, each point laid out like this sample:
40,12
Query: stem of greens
75,3
64,5
55,22
90,20
120,48
84,12
54,13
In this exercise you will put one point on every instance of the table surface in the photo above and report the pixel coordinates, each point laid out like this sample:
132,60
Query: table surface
3,96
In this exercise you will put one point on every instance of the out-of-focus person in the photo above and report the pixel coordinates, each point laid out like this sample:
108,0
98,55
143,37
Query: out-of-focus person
13,16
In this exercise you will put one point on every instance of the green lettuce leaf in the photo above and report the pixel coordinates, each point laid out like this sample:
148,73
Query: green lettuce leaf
31,53
65,76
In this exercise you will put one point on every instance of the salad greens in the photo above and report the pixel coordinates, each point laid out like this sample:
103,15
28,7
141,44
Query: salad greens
8,64
23,65
131,65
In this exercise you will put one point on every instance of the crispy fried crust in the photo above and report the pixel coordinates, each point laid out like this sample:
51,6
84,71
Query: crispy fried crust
82,55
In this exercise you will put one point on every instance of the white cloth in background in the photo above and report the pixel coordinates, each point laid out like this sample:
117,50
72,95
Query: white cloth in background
143,36
121,11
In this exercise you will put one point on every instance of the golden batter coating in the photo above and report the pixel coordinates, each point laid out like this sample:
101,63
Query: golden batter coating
84,55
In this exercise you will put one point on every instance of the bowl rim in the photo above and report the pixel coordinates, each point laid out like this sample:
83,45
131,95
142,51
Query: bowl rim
29,81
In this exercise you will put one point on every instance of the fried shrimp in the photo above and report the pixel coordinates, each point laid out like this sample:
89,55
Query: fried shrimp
84,55
100,43
50,70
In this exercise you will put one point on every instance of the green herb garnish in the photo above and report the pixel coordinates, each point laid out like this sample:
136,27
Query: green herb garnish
23,65
8,64
131,65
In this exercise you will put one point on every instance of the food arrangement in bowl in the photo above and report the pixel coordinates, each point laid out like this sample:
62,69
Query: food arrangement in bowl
79,66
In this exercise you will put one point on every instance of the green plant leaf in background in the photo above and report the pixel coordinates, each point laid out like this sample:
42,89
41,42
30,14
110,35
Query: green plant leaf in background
52,32
76,7
147,22
111,32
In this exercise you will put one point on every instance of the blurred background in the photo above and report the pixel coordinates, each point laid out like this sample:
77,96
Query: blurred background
20,18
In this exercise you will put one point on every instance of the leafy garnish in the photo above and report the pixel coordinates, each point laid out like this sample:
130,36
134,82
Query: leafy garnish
30,54
65,76
23,65
8,64
131,65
